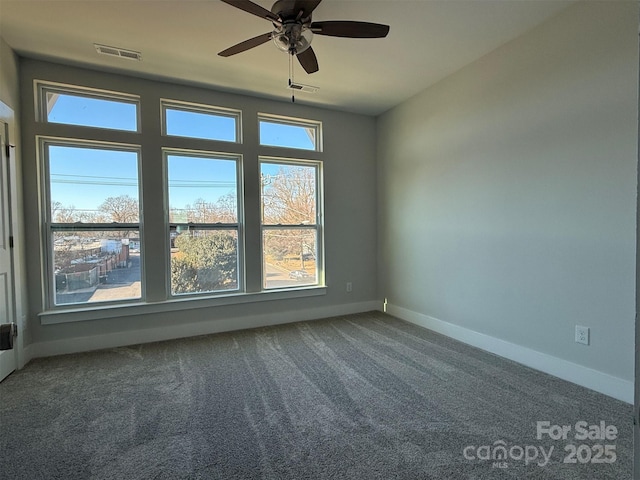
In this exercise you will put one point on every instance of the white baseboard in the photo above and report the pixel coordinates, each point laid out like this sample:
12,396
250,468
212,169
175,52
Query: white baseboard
27,356
587,377
134,337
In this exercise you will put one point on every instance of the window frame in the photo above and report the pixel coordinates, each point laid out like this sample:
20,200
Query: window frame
318,227
42,88
149,141
49,227
202,108
239,226
314,125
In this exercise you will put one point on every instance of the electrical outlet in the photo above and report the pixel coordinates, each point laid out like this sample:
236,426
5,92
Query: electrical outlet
349,287
582,334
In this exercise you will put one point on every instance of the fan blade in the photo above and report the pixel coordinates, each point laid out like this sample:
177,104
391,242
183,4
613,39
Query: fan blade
252,8
308,61
246,45
350,29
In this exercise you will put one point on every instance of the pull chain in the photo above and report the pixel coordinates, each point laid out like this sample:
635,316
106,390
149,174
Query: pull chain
293,98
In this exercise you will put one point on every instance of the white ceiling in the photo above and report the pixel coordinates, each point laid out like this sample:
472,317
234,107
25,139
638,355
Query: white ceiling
180,39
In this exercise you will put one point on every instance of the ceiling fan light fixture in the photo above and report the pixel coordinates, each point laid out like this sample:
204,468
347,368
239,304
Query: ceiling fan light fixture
292,38
294,29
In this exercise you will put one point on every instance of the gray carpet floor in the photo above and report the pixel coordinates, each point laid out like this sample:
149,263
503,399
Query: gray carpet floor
362,396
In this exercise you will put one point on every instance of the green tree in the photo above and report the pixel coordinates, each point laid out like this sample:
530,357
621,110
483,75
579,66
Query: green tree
183,276
207,262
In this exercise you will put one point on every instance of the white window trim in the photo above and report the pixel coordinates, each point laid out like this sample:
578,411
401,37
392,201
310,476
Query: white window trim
318,227
103,311
90,136
48,226
209,226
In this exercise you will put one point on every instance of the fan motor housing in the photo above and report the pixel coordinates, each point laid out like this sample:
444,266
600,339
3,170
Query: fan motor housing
285,10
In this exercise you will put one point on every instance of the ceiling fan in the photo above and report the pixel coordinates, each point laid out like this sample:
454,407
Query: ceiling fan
294,29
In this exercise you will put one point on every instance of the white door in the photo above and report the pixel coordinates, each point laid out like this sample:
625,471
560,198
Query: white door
7,312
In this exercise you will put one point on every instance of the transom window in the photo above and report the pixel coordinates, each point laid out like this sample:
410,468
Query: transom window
88,108
276,131
201,121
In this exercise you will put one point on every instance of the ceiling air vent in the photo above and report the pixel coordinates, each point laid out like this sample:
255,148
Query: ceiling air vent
302,88
118,52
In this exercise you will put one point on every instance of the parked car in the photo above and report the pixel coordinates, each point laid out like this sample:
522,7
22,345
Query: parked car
299,274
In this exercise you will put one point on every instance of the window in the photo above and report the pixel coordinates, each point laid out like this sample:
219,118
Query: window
93,221
76,106
278,131
291,221
203,222
201,121
192,242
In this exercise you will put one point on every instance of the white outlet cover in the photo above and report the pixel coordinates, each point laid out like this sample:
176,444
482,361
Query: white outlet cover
582,334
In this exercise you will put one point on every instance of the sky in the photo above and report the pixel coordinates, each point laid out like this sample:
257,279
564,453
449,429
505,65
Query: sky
92,112
192,178
84,177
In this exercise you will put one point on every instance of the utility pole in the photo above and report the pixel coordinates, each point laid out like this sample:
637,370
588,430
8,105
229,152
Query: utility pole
264,181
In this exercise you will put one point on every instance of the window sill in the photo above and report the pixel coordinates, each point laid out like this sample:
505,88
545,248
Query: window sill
98,312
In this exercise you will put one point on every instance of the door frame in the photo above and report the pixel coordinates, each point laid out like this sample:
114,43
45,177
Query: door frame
14,175
636,408
8,358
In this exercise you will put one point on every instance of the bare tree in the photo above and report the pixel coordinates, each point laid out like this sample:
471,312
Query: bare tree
202,211
121,209
62,214
55,208
224,210
290,198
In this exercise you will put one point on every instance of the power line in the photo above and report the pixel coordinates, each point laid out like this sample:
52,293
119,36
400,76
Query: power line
91,176
89,182
133,182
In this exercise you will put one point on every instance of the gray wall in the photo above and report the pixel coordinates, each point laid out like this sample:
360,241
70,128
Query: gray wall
507,191
9,93
350,217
